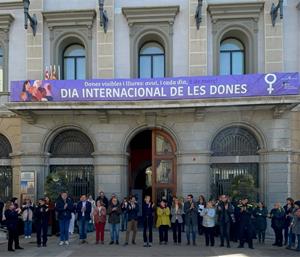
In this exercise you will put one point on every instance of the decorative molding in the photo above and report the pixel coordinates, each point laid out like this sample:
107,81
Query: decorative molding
150,14
65,28
103,116
5,21
200,114
11,5
70,18
27,115
279,110
147,24
235,11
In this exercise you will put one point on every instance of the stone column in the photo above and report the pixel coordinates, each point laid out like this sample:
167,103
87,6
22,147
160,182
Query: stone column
110,174
105,44
197,41
34,59
273,41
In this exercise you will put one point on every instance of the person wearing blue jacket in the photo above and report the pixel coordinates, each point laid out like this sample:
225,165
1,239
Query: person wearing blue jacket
64,207
83,209
133,210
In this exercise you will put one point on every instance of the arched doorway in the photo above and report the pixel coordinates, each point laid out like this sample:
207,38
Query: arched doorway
234,153
152,165
5,169
71,155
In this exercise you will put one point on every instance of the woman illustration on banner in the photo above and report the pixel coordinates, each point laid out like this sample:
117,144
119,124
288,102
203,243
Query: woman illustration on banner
36,92
26,95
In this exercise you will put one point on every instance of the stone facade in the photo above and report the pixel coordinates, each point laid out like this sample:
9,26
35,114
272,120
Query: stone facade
275,122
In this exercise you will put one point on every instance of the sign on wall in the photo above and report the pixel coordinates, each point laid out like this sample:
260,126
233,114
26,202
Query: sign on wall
231,86
28,186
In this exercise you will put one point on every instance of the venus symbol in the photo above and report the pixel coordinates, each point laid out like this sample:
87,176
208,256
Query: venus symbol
270,79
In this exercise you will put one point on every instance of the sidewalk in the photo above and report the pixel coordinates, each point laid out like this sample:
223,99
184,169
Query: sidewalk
90,250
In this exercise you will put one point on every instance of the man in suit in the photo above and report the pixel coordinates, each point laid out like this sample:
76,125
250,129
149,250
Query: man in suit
191,218
84,209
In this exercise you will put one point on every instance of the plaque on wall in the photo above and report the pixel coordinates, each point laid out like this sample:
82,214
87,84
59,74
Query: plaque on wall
28,186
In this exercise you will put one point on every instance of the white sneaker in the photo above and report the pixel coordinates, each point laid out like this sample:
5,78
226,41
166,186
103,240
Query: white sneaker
67,243
29,237
61,243
26,237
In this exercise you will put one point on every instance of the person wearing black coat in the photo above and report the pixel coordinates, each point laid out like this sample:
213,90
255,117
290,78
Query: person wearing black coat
41,218
288,209
191,218
11,215
64,207
225,213
148,210
260,214
1,210
245,224
102,198
277,216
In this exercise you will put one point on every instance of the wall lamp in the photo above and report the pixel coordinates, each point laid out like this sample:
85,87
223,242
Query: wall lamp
32,19
103,16
198,15
274,11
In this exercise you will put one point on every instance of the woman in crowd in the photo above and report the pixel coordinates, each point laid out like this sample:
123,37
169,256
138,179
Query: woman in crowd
11,216
260,214
41,215
91,222
99,215
114,213
176,220
277,216
148,209
52,220
295,226
201,205
209,216
288,209
27,216
163,222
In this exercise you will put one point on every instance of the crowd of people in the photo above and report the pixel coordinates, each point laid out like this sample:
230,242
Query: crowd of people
237,221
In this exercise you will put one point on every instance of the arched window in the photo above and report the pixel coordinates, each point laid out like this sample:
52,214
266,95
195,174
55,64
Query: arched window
1,69
232,57
71,155
74,66
234,155
5,169
151,61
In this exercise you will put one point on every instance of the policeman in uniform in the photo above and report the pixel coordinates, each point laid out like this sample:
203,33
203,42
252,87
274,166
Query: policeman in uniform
245,211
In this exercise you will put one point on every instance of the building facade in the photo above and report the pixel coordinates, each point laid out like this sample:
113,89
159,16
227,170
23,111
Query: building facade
159,147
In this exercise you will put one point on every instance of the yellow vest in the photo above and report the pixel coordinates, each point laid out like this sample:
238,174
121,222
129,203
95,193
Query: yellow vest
163,217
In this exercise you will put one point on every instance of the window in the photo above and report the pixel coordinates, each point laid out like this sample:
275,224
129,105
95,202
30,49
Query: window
1,69
152,61
232,57
74,62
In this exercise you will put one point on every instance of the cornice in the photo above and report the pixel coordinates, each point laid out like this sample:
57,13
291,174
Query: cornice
70,18
150,14
235,11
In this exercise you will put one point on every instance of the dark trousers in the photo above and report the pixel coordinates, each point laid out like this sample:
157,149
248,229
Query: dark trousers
209,236
261,234
225,232
163,233
13,236
41,229
176,227
246,236
200,227
278,236
148,224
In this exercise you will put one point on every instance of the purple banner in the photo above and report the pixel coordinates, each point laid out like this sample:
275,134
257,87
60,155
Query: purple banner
272,84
